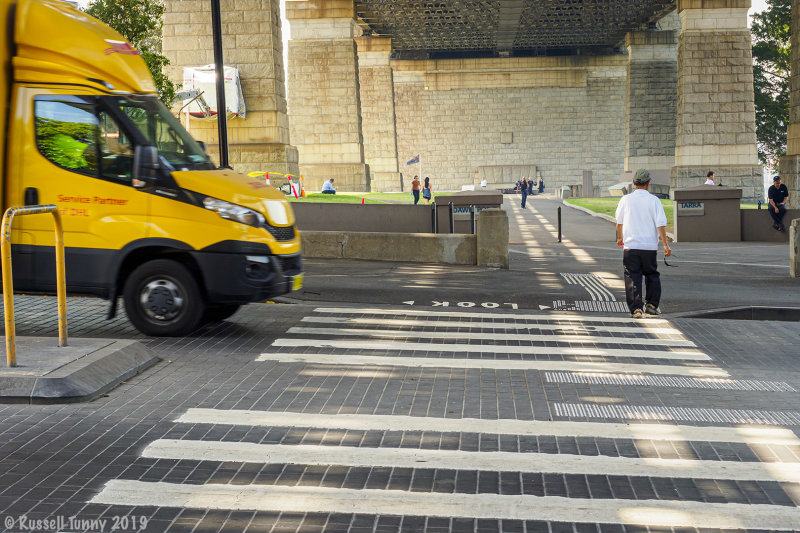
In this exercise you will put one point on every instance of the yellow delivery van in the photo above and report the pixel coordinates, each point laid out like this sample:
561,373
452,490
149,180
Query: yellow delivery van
147,216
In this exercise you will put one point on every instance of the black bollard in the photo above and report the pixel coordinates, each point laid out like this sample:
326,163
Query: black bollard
472,219
452,219
559,223
433,217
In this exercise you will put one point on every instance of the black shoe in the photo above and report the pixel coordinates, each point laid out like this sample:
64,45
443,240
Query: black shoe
776,227
650,310
781,227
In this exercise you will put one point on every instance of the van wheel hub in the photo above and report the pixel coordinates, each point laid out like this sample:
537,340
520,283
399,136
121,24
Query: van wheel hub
161,300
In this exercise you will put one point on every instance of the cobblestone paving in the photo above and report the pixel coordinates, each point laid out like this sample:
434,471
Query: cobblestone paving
236,395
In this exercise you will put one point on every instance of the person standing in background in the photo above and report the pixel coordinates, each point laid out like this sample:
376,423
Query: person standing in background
427,191
541,185
523,187
709,178
415,189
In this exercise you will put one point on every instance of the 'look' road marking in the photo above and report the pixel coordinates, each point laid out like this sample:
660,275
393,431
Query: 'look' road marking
490,364
681,355
274,498
643,431
545,463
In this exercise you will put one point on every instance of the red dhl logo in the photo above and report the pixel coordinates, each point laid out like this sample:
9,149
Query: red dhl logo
121,47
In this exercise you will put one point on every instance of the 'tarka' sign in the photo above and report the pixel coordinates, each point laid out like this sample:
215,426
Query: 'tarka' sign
689,208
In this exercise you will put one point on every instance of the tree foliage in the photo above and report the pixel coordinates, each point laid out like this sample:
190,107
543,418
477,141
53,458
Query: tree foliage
772,34
140,22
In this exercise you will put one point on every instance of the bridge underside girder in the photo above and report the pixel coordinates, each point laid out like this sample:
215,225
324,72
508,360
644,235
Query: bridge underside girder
513,27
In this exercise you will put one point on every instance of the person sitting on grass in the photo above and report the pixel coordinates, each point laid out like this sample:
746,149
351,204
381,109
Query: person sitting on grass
327,187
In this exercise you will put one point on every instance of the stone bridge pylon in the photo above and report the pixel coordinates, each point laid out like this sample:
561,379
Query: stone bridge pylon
252,43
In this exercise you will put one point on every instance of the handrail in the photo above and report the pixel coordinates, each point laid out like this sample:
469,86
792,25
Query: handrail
8,281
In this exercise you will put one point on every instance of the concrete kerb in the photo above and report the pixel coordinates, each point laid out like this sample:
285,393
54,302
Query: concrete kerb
79,372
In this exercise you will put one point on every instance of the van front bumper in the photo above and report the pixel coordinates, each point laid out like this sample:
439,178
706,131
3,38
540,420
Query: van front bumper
239,278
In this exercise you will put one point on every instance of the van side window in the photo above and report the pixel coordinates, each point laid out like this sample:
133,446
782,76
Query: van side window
116,150
66,134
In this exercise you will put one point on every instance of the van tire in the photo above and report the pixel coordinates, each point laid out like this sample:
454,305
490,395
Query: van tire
218,313
162,299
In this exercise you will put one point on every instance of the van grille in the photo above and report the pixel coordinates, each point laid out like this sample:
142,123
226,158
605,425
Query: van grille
281,233
291,264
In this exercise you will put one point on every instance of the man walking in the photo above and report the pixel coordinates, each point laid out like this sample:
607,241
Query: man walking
640,222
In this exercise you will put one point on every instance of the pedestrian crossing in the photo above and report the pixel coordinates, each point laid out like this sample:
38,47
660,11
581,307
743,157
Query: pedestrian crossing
620,446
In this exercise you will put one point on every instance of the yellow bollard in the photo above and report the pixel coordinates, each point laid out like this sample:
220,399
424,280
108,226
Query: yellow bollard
8,289
8,280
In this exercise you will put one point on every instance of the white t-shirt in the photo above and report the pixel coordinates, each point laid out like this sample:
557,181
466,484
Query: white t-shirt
709,181
328,186
640,213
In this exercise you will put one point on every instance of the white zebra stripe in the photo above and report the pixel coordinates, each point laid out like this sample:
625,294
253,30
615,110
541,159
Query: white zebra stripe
544,463
550,317
488,364
682,355
577,339
636,431
439,324
300,499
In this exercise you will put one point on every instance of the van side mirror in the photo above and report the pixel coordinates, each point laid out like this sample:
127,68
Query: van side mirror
145,166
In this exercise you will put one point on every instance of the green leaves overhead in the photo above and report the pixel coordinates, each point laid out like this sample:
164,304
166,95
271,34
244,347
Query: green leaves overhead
772,34
140,22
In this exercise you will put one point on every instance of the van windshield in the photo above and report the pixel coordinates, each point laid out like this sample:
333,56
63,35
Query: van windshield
165,132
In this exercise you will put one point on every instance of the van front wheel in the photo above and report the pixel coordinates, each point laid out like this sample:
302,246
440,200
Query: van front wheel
162,299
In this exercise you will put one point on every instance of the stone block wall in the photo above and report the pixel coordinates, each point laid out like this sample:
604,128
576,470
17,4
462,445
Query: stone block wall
324,100
251,38
562,115
377,112
716,127
652,97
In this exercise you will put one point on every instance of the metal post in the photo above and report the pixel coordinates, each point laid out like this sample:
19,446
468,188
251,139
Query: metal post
8,290
452,219
8,279
61,280
559,223
472,219
433,217
219,66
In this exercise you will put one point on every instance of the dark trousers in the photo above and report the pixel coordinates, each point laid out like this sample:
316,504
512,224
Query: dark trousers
328,192
640,263
416,197
524,196
777,217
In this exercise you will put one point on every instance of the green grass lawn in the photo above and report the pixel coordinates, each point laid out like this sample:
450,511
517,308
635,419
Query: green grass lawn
608,206
355,198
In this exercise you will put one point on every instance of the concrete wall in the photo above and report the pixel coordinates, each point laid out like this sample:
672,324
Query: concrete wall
757,225
562,114
377,218
415,248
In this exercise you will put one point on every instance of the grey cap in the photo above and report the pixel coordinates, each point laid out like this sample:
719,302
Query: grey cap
641,177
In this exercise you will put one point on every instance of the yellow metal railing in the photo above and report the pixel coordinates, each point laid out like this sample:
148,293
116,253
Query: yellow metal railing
8,282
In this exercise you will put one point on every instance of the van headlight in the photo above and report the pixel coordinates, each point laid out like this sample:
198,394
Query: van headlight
234,212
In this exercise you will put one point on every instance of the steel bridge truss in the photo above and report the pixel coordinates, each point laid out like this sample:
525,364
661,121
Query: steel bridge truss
507,26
